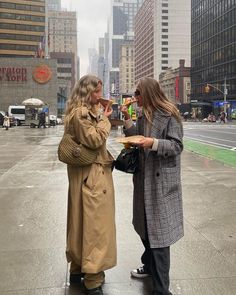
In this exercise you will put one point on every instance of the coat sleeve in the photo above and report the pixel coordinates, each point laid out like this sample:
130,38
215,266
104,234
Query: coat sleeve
130,131
91,135
172,144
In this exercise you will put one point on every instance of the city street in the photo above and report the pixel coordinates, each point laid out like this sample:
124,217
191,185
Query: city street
33,197
223,135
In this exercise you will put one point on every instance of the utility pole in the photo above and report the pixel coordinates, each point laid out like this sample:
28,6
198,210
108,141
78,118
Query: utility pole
225,94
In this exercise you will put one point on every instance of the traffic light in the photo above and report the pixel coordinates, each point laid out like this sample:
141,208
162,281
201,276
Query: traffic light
207,88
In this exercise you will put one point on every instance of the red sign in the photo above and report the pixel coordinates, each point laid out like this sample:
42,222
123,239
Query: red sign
42,74
13,74
177,88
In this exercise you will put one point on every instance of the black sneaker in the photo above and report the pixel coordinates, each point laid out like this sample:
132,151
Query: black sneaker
139,273
95,291
75,278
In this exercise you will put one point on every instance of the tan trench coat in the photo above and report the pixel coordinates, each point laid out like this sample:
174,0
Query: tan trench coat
91,236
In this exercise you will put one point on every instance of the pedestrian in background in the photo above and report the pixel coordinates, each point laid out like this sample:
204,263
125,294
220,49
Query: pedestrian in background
223,117
6,121
157,196
91,238
42,120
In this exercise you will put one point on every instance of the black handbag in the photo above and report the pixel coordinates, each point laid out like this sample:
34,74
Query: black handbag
127,161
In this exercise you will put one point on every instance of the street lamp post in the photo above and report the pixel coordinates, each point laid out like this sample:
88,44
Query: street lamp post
225,92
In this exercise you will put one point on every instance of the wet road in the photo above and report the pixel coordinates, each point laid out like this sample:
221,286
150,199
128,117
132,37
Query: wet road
214,134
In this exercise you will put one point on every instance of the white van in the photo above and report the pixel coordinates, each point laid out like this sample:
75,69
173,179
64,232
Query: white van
18,112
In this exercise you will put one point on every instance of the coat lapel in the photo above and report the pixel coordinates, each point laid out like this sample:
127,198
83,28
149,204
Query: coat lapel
160,121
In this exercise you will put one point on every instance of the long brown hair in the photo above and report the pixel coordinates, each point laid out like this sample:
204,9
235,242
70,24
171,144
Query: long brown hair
80,94
153,98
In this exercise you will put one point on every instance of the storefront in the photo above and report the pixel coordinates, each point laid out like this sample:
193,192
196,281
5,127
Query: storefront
218,107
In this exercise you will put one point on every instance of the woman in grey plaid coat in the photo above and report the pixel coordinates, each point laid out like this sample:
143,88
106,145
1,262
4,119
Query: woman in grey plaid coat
157,197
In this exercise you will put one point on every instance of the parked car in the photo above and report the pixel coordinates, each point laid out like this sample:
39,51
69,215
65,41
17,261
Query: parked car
233,114
18,112
2,114
53,120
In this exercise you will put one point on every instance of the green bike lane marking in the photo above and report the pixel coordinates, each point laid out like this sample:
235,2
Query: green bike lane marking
223,155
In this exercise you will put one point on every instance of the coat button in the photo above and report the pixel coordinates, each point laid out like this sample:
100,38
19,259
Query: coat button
104,191
158,174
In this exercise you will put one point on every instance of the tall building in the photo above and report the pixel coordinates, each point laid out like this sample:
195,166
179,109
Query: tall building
63,34
101,60
93,61
121,28
214,54
162,36
126,67
54,5
22,28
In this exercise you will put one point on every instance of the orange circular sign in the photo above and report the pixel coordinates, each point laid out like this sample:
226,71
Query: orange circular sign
42,74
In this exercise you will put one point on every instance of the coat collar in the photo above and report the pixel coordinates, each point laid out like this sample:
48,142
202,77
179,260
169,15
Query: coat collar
88,109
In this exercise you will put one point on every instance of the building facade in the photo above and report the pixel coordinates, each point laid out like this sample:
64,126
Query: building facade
22,28
54,5
214,54
126,67
121,29
65,67
93,61
23,78
176,83
63,33
162,36
101,61
144,41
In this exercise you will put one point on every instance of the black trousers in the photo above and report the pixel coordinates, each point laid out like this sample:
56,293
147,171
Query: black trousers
156,261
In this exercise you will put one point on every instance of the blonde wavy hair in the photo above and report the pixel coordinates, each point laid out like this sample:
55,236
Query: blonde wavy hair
80,94
153,98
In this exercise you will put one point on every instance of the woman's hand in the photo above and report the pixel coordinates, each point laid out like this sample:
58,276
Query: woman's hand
124,111
108,111
146,142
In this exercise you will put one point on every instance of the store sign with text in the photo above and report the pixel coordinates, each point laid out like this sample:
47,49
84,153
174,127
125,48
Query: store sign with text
12,74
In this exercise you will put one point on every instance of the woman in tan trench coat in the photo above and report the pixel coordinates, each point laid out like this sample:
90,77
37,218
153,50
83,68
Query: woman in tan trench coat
91,241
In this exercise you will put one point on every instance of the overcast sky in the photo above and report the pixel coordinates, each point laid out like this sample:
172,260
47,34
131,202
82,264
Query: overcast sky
92,23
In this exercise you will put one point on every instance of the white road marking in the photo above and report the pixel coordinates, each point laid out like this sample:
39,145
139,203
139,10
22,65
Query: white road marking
211,143
204,136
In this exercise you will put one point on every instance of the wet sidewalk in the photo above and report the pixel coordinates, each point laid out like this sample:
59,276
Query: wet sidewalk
33,205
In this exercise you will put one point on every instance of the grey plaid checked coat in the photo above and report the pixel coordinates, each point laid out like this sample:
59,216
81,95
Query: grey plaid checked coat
157,185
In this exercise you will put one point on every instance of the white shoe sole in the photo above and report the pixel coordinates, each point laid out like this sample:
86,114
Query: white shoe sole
139,276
